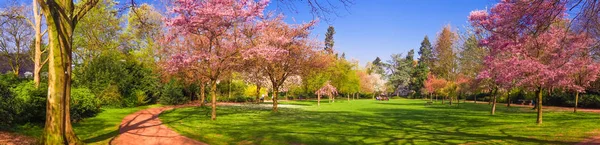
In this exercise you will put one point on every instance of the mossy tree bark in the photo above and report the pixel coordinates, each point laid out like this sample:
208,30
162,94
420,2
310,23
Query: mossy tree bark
213,94
61,20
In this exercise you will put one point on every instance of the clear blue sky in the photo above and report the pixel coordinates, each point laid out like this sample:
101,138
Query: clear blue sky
372,28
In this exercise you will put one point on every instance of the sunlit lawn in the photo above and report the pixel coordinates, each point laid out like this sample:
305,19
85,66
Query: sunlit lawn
96,130
398,121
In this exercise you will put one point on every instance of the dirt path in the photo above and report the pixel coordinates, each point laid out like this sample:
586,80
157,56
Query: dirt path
144,127
7,138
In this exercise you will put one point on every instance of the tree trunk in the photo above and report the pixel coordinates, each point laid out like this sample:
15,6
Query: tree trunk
508,99
202,97
348,95
318,99
539,106
373,96
213,104
494,104
37,58
275,90
443,98
58,128
475,99
451,101
332,98
576,100
257,94
229,90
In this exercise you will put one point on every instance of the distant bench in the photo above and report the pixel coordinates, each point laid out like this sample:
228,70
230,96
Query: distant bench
524,102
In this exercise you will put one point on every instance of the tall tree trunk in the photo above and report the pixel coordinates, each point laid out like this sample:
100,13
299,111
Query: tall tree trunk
451,100
373,96
443,98
508,99
475,99
333,99
275,90
229,90
494,104
576,101
318,99
257,93
539,105
213,104
202,97
58,128
348,95
37,57
61,20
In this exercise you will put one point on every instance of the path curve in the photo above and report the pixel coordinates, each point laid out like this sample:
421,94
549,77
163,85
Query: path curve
144,127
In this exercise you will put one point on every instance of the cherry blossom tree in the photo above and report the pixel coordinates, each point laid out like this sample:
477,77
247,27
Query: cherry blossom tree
532,47
328,90
218,24
285,50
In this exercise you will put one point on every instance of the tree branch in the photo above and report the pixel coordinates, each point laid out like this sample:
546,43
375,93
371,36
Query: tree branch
86,7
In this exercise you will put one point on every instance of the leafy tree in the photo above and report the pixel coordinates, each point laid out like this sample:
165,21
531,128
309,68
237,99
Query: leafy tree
536,55
213,29
377,66
400,72
97,32
284,51
445,64
62,18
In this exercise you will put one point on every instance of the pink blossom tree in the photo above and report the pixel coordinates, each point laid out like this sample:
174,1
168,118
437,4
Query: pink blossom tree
284,50
218,26
328,90
531,47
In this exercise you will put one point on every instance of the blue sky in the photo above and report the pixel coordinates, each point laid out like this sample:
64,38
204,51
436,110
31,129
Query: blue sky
372,28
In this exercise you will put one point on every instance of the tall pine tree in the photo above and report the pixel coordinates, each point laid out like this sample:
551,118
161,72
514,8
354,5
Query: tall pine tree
419,73
329,40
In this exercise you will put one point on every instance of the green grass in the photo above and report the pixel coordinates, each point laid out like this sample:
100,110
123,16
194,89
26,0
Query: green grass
96,130
399,121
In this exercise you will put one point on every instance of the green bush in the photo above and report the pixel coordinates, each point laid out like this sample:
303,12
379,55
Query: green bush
113,72
172,94
83,104
29,102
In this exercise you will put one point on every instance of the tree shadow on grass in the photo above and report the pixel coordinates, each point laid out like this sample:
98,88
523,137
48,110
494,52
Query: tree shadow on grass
430,125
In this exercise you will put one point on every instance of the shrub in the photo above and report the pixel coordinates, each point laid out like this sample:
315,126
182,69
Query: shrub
83,104
114,73
172,94
111,96
29,103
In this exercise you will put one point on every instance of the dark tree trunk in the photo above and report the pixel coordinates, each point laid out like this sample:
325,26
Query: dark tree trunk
539,105
576,102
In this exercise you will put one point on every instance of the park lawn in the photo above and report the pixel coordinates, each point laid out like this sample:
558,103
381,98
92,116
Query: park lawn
398,121
99,129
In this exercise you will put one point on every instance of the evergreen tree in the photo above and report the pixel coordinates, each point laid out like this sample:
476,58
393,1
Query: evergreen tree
425,53
419,73
377,67
329,40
